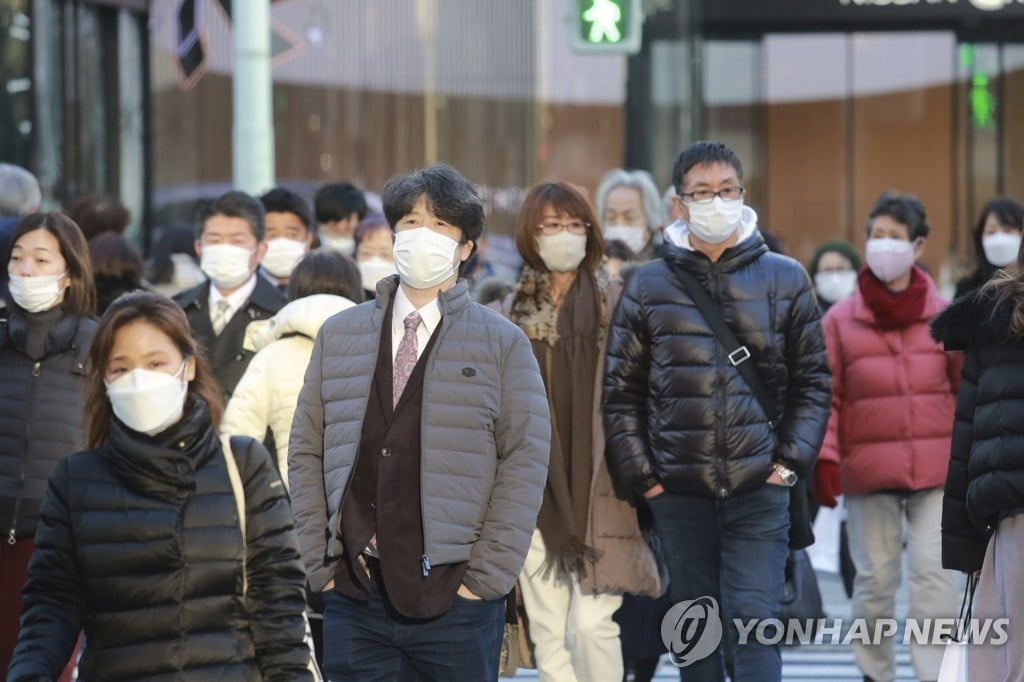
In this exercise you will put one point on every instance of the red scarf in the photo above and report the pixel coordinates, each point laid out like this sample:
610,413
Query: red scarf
894,310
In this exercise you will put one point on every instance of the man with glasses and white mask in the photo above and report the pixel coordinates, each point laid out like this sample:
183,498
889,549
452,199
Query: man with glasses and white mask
418,455
230,243
712,430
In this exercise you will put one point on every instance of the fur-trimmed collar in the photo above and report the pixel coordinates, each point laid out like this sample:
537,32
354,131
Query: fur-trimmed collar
973,320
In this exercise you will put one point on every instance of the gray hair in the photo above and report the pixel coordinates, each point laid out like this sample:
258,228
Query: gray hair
666,204
19,191
639,180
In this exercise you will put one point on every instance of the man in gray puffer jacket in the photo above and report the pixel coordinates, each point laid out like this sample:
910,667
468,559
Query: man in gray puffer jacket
418,455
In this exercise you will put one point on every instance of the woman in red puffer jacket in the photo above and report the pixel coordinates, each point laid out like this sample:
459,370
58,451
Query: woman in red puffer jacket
894,392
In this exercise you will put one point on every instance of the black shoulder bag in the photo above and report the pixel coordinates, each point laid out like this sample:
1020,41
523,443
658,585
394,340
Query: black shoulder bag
801,534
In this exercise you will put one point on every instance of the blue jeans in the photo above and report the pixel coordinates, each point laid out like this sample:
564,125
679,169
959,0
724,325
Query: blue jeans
733,550
370,642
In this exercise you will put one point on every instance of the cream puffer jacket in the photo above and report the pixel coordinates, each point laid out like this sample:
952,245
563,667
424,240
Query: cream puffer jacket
266,394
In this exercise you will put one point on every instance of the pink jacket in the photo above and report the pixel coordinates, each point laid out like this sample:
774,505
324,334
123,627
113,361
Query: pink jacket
894,393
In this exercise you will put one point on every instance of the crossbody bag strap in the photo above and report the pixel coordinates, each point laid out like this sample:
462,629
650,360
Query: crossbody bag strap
239,492
738,354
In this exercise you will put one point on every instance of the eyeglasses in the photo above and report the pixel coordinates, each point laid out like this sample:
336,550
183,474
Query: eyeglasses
552,228
703,196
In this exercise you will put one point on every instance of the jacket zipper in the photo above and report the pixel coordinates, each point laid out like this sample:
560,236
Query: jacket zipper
12,536
425,560
719,413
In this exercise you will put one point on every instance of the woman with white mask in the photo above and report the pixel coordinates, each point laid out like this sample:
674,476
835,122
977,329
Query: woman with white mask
587,549
886,450
996,237
629,207
374,252
141,544
833,269
44,342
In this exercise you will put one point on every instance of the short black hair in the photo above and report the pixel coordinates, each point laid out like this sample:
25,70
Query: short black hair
325,272
618,249
234,204
702,153
281,200
903,208
337,201
449,195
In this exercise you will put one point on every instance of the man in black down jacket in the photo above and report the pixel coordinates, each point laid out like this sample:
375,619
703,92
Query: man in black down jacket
685,430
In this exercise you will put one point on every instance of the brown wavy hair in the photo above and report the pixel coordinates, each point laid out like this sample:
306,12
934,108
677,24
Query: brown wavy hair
562,198
165,315
80,297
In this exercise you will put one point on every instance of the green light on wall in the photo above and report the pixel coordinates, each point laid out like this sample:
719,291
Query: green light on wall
980,100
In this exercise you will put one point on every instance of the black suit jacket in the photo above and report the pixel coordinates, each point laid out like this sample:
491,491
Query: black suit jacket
225,353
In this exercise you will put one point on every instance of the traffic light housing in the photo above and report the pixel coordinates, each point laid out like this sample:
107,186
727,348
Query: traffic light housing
607,26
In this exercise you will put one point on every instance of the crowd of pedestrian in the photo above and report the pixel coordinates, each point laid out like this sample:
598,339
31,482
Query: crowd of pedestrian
306,440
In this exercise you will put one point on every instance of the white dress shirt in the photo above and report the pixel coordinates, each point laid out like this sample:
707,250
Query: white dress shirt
235,299
430,317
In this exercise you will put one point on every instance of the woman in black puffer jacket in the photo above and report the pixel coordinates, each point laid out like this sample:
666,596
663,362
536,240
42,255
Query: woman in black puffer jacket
139,542
983,505
44,341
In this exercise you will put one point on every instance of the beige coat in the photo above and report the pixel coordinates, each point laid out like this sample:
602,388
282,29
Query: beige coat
627,563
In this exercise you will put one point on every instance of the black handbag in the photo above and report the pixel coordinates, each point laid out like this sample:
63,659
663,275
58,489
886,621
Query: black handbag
801,533
801,598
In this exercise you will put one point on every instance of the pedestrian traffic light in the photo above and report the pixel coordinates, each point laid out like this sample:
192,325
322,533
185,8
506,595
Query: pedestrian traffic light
609,26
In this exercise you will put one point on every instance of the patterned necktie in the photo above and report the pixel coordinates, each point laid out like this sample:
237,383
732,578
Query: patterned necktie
405,359
220,316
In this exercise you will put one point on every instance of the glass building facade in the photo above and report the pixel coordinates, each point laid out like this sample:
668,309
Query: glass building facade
829,102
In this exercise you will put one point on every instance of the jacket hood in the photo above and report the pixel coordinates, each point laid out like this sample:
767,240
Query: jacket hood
747,250
974,320
302,316
678,233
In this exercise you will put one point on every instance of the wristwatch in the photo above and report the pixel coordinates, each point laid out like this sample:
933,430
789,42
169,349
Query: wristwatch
787,475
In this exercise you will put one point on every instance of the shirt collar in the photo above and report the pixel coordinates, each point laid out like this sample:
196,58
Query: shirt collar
237,298
430,314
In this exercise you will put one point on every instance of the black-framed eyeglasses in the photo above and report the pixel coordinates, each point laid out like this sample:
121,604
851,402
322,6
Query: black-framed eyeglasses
552,227
703,196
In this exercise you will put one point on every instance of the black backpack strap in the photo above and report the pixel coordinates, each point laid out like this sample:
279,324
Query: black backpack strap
739,355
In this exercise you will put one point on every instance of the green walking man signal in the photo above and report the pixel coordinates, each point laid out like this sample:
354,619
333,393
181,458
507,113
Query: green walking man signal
608,26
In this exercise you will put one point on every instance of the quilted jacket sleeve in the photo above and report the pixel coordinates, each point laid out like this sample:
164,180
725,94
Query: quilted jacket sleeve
248,411
627,366
809,392
522,434
963,545
53,600
306,472
833,343
276,599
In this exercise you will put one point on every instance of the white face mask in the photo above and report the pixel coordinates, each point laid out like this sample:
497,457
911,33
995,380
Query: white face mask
345,245
227,265
715,221
373,270
424,258
635,238
835,285
36,294
562,252
1001,248
282,256
148,401
889,259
